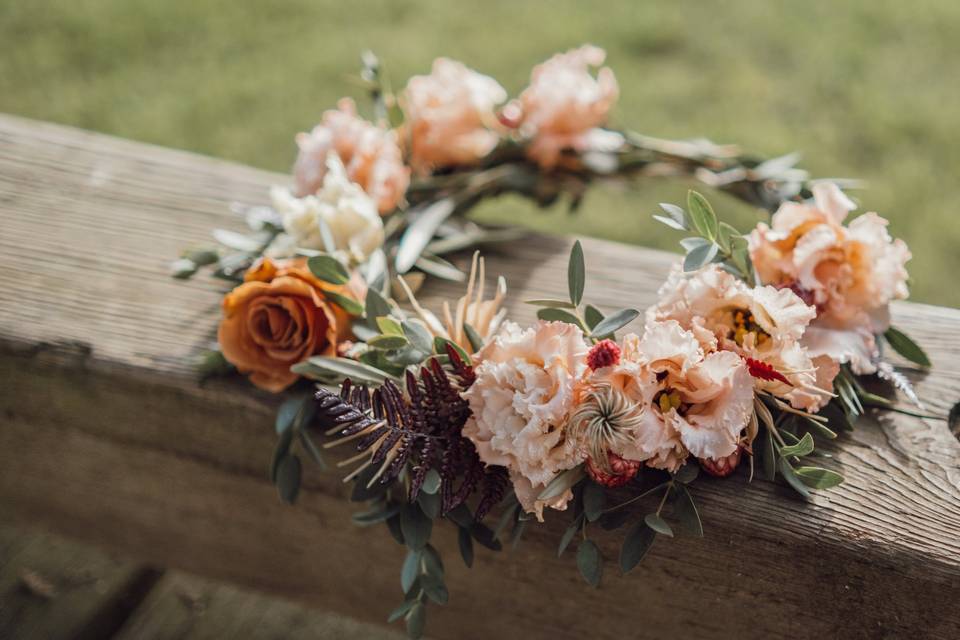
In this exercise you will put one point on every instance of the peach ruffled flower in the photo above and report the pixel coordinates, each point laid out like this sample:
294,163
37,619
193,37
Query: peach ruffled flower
521,403
703,401
370,154
850,273
763,323
450,116
565,105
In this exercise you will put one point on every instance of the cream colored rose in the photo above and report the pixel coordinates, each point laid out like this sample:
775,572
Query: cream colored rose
370,154
340,207
450,116
564,105
763,323
521,402
850,273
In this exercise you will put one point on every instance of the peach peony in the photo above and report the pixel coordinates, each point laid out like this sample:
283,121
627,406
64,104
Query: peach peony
277,318
850,273
370,154
449,116
521,403
762,323
565,105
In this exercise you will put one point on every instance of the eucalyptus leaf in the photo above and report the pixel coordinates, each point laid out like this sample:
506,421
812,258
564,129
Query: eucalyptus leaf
202,257
803,447
376,305
439,268
788,473
465,542
416,621
818,478
700,256
432,562
484,535
614,322
594,500
288,411
328,269
418,335
288,478
686,512
280,451
554,304
183,268
687,473
389,326
702,215
593,316
381,513
388,343
562,482
312,449
658,524
430,504
426,221
476,342
635,546
401,611
906,347
670,222
576,274
567,536
551,314
416,526
237,241
769,456
677,215
346,303
689,244
325,367
590,562
431,482
434,588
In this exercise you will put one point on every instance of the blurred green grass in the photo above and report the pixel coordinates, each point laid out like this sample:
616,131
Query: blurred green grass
865,90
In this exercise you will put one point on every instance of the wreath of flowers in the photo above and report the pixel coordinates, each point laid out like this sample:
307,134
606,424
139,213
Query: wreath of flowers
758,344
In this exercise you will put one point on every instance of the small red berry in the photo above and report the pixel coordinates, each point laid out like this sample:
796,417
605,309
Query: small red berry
623,471
605,353
721,467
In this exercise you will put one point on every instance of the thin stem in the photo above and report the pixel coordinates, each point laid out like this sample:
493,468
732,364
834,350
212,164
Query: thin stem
663,500
635,498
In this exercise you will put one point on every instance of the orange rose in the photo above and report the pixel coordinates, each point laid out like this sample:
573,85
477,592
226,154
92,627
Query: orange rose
278,317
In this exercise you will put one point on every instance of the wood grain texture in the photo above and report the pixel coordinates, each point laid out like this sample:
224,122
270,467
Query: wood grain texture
51,587
107,436
184,607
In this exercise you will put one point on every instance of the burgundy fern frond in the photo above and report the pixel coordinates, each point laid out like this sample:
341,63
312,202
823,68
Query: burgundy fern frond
420,428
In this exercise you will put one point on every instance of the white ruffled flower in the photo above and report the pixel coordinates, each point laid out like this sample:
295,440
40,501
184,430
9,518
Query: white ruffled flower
341,210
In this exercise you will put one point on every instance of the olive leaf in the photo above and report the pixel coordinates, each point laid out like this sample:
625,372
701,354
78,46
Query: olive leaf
590,562
576,274
905,346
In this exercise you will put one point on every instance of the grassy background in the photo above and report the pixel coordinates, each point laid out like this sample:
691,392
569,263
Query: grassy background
865,90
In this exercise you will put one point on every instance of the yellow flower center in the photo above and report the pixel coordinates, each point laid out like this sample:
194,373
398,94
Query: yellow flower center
744,324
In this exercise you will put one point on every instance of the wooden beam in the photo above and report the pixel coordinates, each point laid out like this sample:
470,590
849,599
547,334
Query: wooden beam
107,436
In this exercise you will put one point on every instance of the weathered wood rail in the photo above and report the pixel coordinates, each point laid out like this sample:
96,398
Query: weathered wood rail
107,437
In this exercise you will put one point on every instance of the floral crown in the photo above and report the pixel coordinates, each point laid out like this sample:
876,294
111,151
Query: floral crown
758,344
